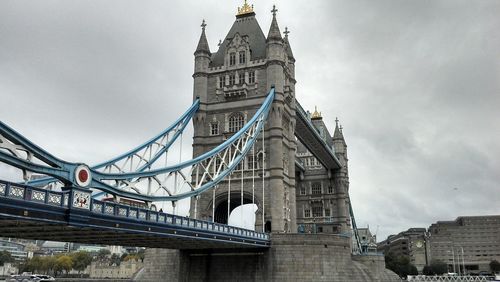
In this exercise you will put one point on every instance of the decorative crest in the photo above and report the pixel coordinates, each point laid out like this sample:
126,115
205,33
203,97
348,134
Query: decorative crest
316,114
203,24
245,9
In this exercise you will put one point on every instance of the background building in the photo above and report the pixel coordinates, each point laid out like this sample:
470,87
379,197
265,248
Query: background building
470,241
16,250
410,243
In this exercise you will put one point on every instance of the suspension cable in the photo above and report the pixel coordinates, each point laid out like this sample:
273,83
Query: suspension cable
213,203
229,190
215,188
242,170
253,174
263,175
229,197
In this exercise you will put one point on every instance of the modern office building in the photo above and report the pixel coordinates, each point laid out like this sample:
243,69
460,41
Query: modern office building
469,242
410,243
16,250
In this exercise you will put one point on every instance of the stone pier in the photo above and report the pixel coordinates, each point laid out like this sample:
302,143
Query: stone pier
292,257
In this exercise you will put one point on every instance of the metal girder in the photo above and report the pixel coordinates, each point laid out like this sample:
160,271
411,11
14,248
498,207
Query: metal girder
26,214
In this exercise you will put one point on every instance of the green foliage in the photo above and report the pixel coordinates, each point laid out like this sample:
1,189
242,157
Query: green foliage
5,257
63,263
495,266
81,260
141,253
131,257
436,267
115,259
400,265
103,254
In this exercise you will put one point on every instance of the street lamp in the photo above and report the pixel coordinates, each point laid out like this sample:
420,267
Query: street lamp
463,260
453,254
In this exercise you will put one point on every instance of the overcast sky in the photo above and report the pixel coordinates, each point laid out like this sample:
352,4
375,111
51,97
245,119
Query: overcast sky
415,85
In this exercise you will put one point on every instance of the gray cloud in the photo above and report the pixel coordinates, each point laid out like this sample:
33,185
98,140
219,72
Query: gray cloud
415,85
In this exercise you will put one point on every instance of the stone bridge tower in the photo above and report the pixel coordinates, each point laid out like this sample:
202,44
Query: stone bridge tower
231,84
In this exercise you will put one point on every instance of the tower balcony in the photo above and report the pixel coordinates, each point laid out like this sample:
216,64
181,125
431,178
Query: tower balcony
236,91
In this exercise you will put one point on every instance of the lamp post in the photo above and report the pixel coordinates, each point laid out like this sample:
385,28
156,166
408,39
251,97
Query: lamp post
463,260
453,254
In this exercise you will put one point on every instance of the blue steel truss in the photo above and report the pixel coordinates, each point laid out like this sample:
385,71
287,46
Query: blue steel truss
199,174
145,154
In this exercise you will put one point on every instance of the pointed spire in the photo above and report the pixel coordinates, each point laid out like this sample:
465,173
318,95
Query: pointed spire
337,134
287,44
274,30
203,43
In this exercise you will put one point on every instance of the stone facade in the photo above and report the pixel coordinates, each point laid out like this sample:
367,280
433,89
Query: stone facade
292,257
322,198
231,84
126,269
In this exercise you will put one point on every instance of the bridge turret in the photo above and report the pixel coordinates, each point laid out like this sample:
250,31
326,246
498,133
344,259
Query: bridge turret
202,59
339,143
342,179
275,54
201,63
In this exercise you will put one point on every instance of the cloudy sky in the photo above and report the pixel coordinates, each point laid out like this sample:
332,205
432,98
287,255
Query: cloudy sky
415,85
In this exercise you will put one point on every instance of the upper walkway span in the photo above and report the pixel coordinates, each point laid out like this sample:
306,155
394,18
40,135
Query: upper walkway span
307,133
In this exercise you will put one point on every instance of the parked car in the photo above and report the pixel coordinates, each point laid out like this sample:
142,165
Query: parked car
30,278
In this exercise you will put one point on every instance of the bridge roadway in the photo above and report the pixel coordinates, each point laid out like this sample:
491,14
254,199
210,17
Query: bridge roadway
35,213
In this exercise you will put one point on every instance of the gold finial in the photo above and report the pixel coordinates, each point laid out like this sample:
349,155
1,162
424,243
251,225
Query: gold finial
245,9
316,114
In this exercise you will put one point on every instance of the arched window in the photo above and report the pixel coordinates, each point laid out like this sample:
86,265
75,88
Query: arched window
236,122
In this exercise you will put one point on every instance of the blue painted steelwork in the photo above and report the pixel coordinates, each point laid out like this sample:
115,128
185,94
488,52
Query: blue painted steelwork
20,201
179,126
64,171
255,125
357,240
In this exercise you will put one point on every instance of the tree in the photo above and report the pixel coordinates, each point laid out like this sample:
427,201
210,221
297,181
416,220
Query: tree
436,267
115,260
49,264
81,260
5,257
427,270
103,254
141,253
495,266
400,265
64,263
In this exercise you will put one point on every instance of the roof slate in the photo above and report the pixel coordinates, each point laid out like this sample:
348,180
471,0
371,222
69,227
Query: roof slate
245,26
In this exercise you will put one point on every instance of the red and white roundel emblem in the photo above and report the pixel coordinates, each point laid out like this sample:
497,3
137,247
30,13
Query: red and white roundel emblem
83,175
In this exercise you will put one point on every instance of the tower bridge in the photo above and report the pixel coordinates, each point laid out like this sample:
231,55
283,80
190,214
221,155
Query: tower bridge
253,143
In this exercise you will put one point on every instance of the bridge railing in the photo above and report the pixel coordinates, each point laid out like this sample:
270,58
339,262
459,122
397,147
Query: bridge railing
54,198
33,194
422,278
141,214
